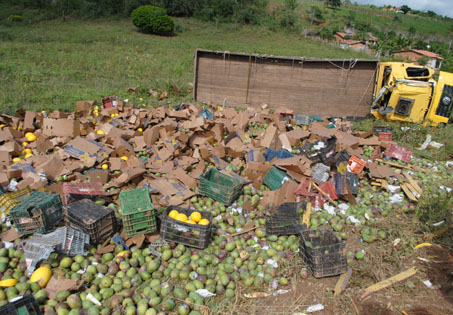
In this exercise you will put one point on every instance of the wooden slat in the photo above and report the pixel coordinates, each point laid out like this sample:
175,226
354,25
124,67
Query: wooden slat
408,192
413,183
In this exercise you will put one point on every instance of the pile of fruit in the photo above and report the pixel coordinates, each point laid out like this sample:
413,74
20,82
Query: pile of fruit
194,218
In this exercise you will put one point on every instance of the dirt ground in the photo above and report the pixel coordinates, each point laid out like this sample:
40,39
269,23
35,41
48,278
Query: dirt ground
410,296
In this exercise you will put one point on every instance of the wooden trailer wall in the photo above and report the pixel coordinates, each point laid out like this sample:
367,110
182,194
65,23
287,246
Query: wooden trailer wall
306,85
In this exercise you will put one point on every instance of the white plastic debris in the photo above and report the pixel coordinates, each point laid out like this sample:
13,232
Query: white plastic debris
438,223
93,300
445,188
396,198
320,145
343,206
315,308
425,144
12,186
274,284
205,293
393,188
449,163
272,263
8,244
353,219
281,291
330,209
428,284
405,128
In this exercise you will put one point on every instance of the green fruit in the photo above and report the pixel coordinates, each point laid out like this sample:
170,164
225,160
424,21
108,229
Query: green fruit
66,262
168,305
359,255
74,301
101,268
62,295
179,293
22,286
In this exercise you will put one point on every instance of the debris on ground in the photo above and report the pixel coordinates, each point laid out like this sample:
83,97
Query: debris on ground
116,209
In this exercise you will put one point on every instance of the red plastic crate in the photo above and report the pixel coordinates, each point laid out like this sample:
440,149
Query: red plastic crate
385,136
77,191
302,189
397,152
329,189
356,165
107,102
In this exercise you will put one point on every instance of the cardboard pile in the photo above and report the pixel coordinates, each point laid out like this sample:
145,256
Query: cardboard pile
123,147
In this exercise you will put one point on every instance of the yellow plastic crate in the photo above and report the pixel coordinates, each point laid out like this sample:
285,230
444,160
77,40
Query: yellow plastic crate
7,203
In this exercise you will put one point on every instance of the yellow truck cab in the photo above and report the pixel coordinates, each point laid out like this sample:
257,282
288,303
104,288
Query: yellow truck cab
408,92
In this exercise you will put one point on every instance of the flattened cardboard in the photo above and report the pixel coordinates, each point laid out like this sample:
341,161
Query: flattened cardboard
269,137
28,121
60,127
98,176
60,283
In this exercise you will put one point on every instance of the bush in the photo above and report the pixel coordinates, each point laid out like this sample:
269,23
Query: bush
153,20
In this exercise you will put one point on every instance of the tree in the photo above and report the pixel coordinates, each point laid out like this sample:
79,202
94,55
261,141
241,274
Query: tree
422,61
412,31
405,9
315,15
333,3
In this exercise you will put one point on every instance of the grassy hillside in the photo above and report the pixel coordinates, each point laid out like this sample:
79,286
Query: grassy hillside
51,65
377,18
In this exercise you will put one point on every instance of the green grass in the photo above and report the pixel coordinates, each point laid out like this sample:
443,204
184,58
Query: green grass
52,64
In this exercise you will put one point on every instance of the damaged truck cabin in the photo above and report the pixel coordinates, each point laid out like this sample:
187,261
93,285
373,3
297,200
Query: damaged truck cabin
408,92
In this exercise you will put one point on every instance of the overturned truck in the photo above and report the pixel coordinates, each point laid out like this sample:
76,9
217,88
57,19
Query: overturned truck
325,87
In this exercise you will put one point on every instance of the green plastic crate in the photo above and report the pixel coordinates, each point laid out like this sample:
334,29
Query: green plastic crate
137,212
40,212
275,178
219,186
140,226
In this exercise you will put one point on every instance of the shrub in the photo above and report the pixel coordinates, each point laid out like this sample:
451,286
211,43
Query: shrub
153,20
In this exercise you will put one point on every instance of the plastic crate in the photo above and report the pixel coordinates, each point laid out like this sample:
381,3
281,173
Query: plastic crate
327,154
77,191
21,194
271,154
2,191
286,219
26,305
34,253
144,225
326,254
7,203
351,179
320,173
275,178
302,120
65,240
356,165
193,235
40,213
329,189
135,204
385,136
378,129
97,221
219,186
342,156
397,152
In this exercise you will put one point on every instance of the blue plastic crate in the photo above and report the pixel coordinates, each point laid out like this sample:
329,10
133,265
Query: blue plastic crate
271,154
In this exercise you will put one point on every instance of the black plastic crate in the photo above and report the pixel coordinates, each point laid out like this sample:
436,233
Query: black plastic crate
328,153
324,253
40,212
286,219
97,221
193,235
342,156
27,305
378,129
349,178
